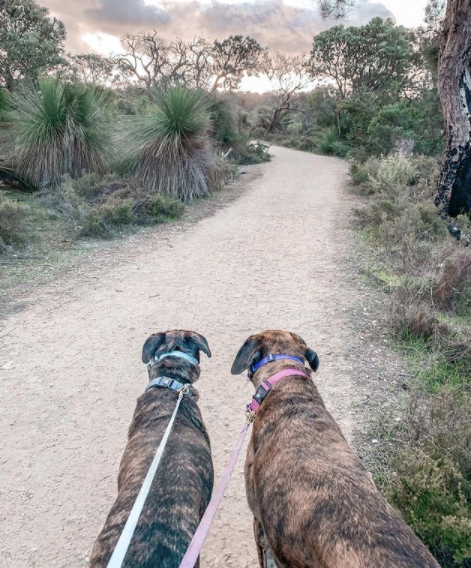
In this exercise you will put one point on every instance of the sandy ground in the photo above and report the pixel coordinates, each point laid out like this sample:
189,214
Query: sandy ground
70,362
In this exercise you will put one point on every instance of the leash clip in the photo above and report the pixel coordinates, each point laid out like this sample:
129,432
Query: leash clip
185,390
249,414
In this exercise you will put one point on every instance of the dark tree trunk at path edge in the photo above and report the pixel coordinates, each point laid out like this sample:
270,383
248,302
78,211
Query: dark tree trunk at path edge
454,87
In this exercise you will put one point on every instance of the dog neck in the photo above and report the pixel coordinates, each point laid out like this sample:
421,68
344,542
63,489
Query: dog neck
270,369
179,369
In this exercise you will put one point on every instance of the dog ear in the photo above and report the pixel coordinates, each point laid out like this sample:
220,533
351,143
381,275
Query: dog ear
198,342
312,359
151,346
248,353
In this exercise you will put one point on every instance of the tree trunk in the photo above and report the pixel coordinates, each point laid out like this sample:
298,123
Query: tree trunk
216,83
275,116
454,87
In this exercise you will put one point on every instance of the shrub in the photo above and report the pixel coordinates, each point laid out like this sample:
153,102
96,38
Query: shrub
224,121
95,206
60,128
359,173
14,220
418,121
168,146
255,153
397,169
431,494
307,144
295,128
455,280
330,143
412,317
432,487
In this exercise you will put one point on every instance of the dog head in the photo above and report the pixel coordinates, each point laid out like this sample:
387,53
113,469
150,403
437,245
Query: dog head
258,346
176,340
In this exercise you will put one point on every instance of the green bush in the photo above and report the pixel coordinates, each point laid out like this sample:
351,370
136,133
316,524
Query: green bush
431,493
396,169
14,220
330,143
59,128
96,207
418,121
255,153
224,122
359,174
432,485
429,285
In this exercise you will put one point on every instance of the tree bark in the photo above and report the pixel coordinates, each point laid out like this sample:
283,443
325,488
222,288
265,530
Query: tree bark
454,87
274,120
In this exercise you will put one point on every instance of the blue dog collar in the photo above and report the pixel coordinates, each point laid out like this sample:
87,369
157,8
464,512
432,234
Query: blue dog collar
172,384
179,354
270,358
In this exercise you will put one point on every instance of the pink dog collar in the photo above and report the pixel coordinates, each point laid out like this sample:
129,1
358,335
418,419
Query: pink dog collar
262,392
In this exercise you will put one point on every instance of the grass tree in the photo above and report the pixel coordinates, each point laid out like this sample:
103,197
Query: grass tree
59,129
168,147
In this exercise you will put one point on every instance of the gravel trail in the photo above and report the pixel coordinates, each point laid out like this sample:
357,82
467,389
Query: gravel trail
70,368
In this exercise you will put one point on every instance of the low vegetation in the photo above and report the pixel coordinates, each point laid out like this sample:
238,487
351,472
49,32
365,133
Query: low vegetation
95,206
427,276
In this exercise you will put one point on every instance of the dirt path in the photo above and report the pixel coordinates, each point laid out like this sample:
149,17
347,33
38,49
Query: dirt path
70,366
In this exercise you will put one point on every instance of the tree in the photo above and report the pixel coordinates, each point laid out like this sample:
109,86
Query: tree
145,57
289,77
232,58
454,88
151,60
335,8
375,57
31,43
90,68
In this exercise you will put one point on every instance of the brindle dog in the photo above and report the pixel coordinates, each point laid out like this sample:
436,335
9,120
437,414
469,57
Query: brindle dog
314,504
183,483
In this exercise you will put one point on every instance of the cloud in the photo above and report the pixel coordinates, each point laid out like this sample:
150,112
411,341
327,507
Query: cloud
127,12
273,23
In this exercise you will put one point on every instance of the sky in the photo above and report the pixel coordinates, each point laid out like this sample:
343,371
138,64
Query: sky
282,25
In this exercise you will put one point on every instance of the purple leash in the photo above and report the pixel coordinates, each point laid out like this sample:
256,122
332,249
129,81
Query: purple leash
196,544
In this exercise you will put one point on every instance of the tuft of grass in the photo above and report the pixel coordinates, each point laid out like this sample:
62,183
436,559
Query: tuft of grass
59,128
330,143
167,146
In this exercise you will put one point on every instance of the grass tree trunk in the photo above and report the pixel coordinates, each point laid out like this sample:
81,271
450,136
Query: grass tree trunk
454,86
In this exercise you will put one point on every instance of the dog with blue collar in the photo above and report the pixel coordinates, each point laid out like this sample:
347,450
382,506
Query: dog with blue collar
183,483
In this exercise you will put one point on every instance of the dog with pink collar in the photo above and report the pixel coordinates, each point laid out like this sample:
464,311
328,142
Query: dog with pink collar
314,504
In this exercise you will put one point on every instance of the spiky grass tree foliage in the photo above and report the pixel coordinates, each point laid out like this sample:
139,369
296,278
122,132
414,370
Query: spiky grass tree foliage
223,121
3,104
168,147
60,129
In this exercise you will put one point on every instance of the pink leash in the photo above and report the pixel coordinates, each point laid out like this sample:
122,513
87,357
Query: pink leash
196,544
